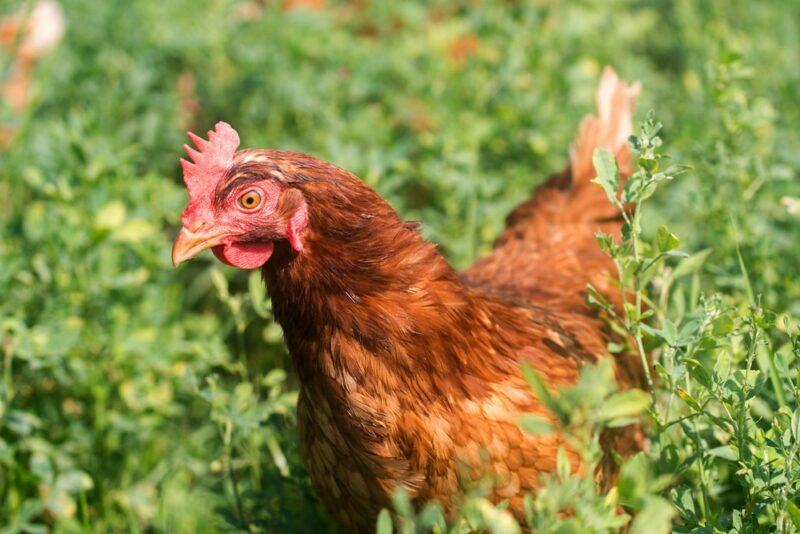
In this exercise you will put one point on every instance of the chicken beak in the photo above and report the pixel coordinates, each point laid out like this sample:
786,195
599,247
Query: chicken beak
189,244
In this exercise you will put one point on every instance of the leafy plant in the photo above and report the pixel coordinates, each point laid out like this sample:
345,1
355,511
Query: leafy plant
728,432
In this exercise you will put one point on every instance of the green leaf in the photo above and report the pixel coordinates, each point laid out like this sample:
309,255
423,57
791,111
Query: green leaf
431,519
220,283
41,466
795,428
654,518
668,332
596,299
74,480
134,231
258,294
606,242
745,275
688,399
666,240
110,216
736,520
698,372
723,325
534,424
605,165
794,513
538,386
726,452
278,457
632,312
384,524
563,465
627,403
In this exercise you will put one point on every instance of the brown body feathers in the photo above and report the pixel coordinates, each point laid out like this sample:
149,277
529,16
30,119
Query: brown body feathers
410,370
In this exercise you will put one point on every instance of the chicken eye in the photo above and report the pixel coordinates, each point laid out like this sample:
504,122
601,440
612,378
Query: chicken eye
250,200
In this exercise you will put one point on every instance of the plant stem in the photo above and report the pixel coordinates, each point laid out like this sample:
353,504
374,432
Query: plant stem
638,306
231,474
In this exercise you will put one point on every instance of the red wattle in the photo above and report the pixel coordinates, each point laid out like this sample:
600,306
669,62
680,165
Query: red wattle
244,255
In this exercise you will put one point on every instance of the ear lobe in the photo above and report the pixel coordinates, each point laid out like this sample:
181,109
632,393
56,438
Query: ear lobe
298,220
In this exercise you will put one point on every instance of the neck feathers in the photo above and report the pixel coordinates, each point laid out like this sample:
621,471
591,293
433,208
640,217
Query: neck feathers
368,299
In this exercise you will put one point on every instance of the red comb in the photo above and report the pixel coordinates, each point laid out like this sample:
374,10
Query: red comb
211,159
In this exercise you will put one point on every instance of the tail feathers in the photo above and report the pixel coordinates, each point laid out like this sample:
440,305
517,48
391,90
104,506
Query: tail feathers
568,197
609,130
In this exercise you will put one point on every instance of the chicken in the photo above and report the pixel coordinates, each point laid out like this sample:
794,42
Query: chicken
25,38
29,36
410,371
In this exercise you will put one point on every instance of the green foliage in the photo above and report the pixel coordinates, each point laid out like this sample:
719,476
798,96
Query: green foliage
719,430
475,514
571,501
137,396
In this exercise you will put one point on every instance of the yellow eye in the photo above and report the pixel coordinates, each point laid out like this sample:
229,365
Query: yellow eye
250,200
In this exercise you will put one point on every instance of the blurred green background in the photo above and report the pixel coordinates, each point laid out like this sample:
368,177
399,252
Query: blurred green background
135,396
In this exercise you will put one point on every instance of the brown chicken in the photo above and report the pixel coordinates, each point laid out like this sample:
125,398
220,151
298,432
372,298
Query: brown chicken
410,371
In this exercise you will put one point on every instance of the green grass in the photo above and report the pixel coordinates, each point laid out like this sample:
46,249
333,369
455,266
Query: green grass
135,396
